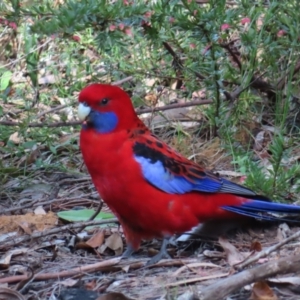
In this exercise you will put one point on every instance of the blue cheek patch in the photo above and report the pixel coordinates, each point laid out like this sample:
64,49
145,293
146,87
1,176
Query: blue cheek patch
102,122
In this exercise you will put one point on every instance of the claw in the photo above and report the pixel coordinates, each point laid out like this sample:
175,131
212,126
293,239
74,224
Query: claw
128,252
161,254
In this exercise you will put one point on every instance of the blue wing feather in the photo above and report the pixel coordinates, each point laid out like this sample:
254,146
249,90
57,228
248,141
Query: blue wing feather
165,180
170,172
164,168
261,210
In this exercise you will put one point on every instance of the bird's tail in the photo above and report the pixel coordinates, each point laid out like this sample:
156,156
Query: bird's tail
264,210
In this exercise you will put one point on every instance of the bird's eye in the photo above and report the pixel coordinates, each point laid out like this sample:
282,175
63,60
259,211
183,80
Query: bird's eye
104,101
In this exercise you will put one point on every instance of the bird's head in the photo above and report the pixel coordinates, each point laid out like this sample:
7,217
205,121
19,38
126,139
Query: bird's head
105,108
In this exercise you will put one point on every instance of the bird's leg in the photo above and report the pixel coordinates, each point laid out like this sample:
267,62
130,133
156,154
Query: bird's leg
128,252
161,254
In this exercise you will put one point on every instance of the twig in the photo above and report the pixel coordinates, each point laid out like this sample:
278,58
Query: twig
24,56
175,105
100,266
234,56
267,251
84,269
176,64
15,241
49,125
121,81
139,112
227,286
59,107
93,216
197,279
256,82
194,265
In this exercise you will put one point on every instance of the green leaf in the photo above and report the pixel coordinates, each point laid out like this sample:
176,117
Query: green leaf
29,144
82,215
5,79
53,149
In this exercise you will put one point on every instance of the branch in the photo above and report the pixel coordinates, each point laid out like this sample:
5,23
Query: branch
267,251
139,112
227,286
105,265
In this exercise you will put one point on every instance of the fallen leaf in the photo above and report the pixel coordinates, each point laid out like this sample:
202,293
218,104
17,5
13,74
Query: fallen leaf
25,226
115,243
40,211
261,291
91,285
48,79
96,240
5,260
283,231
15,138
151,99
233,255
255,246
69,282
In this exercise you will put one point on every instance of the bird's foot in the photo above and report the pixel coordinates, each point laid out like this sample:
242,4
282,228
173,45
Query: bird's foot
160,255
128,252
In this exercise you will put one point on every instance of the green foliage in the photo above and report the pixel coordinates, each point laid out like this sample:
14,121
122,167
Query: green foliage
277,179
83,215
243,56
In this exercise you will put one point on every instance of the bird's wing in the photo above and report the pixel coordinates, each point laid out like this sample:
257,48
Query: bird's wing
167,170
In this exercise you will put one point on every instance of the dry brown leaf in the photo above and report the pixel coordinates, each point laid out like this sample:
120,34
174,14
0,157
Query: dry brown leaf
261,291
15,138
40,211
233,255
151,99
5,260
199,94
27,228
283,231
48,79
96,240
69,282
31,158
91,285
115,243
255,246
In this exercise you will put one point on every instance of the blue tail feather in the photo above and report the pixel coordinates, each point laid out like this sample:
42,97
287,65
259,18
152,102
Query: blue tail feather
259,209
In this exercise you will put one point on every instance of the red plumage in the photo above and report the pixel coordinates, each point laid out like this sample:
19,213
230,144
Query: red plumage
142,207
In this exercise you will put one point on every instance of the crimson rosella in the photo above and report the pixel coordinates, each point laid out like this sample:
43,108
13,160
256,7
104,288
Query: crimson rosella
152,189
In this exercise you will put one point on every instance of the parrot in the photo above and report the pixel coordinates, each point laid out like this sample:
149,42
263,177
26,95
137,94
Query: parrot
154,191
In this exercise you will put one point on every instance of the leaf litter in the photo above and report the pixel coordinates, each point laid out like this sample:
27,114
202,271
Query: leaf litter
67,263
129,278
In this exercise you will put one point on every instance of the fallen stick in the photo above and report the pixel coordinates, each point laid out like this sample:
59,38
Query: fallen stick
225,287
109,264
266,251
